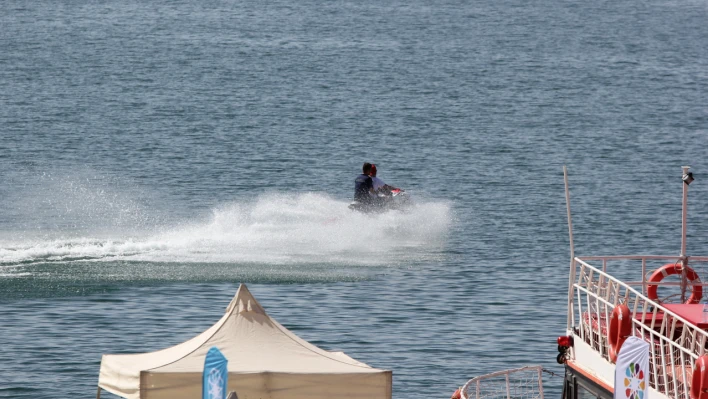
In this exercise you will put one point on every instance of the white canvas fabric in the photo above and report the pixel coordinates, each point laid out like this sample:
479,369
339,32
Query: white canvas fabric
265,361
632,370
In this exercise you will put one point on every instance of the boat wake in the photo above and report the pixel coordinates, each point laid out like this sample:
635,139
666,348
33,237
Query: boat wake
274,229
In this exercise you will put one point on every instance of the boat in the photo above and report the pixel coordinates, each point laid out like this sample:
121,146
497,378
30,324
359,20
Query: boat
605,312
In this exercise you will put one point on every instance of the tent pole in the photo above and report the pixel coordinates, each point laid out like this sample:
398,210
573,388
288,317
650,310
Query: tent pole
98,393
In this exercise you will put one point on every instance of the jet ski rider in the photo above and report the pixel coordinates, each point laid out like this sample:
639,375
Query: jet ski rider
379,185
364,186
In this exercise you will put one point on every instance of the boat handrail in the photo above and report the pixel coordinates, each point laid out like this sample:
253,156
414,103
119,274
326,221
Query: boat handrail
648,301
644,283
639,257
527,384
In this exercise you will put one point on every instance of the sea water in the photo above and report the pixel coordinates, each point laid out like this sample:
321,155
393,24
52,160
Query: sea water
154,155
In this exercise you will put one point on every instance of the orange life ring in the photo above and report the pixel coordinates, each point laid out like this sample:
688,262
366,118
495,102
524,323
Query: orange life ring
699,379
620,329
671,269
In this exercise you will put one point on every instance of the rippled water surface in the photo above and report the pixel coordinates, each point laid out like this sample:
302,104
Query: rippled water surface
155,154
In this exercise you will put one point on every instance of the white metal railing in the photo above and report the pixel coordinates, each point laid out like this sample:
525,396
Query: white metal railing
644,282
521,383
675,343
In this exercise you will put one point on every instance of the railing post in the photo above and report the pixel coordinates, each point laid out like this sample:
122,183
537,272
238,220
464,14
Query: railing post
508,390
571,281
644,276
662,347
583,332
653,360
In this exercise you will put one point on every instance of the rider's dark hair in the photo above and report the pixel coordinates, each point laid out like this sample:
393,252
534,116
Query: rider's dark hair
366,168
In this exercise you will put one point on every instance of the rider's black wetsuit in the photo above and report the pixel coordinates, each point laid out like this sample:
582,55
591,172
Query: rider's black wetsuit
362,186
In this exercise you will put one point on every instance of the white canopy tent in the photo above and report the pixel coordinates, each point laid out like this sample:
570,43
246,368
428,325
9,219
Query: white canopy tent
265,361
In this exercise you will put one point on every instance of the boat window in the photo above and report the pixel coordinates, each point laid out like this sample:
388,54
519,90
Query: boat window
578,387
584,393
568,389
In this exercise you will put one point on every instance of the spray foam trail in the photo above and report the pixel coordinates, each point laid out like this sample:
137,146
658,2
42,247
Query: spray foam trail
275,229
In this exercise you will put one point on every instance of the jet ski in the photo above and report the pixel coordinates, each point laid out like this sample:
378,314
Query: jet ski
395,199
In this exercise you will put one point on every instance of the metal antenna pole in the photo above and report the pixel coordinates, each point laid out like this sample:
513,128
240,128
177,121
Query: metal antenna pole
571,278
684,212
684,208
570,220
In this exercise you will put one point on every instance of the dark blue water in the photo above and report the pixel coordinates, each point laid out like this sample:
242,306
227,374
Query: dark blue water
155,154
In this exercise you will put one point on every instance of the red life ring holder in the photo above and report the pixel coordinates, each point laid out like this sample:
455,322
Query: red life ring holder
672,269
699,379
620,329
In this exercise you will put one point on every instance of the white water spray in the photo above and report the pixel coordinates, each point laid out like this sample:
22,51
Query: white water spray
274,229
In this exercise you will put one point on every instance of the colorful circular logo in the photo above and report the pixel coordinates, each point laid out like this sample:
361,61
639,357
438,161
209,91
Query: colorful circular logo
634,382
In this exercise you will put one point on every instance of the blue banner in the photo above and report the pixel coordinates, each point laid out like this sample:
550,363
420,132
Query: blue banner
215,376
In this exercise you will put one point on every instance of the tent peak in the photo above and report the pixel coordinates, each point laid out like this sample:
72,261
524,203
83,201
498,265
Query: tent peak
244,302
